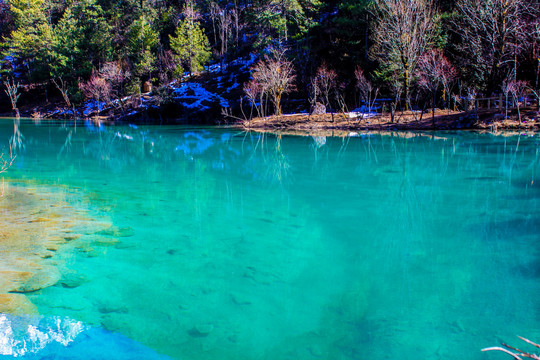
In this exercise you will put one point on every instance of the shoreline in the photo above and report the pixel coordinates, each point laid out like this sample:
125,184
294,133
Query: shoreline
343,125
483,120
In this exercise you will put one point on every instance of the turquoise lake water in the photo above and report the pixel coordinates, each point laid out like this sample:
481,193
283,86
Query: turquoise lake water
222,244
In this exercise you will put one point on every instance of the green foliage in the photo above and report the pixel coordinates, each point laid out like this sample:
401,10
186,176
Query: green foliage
190,45
156,40
142,41
81,40
285,20
31,41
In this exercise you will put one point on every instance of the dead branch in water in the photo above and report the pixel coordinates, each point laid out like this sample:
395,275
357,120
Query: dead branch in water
516,353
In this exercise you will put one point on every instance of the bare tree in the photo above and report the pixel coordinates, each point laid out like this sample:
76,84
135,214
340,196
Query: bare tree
534,44
214,13
397,90
492,35
403,33
115,73
515,352
96,88
435,71
224,23
506,88
254,92
324,84
62,86
12,91
517,89
368,93
276,76
235,18
535,47
313,96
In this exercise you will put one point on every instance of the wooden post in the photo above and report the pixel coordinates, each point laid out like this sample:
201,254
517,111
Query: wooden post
489,103
500,102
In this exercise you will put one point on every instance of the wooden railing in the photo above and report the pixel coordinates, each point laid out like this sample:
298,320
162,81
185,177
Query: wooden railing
500,102
474,104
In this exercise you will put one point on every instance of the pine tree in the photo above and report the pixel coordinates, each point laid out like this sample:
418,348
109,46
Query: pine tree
190,44
81,40
284,19
142,40
31,40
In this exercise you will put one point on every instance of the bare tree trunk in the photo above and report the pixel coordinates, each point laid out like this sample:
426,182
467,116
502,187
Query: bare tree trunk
407,98
433,109
61,85
12,90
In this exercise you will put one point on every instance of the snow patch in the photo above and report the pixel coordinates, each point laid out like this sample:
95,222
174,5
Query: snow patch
91,105
194,91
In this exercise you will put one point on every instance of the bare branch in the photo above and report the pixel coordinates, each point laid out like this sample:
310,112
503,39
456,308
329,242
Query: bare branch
519,353
276,77
404,32
96,88
61,85
503,350
529,342
12,90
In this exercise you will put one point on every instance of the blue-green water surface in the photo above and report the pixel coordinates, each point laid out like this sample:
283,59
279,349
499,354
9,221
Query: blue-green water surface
235,245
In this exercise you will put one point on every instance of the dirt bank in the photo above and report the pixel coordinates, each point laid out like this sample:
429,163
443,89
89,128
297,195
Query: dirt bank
444,120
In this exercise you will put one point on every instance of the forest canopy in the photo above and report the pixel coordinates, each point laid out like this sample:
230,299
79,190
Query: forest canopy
398,48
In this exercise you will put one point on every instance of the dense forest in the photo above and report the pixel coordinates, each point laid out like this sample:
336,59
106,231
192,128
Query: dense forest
335,54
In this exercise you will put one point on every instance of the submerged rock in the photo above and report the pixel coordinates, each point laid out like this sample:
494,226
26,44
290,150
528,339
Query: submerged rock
201,330
38,281
72,280
12,279
116,231
239,299
315,350
16,304
106,241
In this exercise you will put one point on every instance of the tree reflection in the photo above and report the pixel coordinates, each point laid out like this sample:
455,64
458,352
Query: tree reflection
15,144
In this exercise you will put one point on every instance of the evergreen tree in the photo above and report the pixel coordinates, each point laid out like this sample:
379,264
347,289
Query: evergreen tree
190,44
30,42
142,40
284,19
81,41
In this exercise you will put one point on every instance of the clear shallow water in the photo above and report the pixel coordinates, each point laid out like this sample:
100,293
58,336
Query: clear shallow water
227,245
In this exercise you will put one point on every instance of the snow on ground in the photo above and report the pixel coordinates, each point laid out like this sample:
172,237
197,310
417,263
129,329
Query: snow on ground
363,115
244,63
62,112
232,87
364,112
198,93
92,105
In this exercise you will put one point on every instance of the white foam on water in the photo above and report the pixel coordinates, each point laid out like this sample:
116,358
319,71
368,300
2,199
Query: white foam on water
20,336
